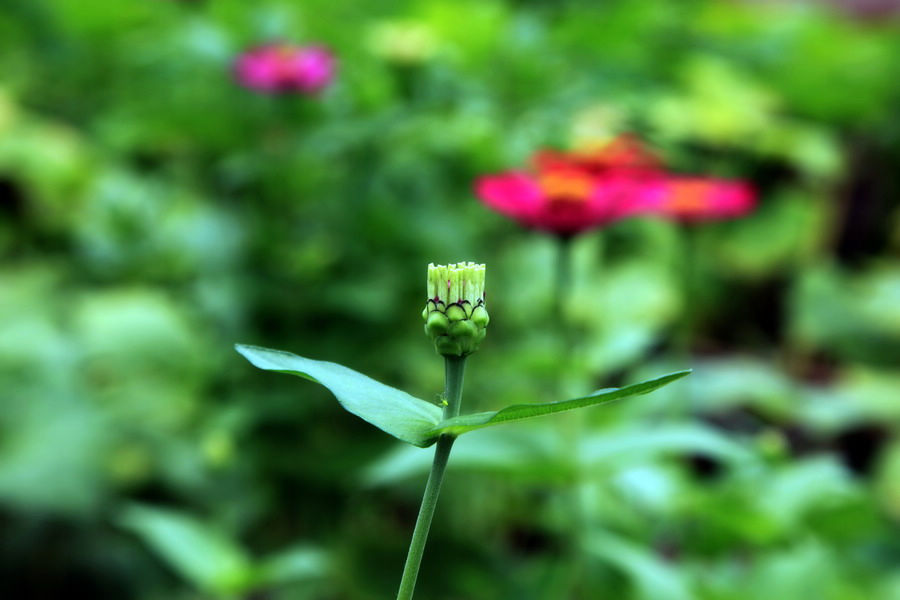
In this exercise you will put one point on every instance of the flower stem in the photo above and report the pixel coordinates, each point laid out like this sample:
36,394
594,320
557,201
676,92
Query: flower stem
454,367
563,276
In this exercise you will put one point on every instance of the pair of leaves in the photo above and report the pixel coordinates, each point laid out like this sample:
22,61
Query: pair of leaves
412,419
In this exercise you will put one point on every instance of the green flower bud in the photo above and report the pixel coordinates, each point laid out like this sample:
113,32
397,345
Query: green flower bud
455,315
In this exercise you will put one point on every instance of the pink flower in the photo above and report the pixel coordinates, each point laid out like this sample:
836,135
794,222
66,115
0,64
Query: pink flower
570,192
285,67
700,198
561,200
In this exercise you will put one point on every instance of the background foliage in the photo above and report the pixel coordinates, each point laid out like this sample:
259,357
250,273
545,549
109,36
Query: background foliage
152,213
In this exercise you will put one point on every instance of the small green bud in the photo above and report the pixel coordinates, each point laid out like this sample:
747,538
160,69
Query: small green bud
455,315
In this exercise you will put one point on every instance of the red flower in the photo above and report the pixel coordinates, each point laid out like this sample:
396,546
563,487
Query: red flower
700,198
562,200
571,192
285,67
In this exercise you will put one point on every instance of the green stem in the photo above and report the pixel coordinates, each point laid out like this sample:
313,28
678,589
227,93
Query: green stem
454,367
690,275
563,277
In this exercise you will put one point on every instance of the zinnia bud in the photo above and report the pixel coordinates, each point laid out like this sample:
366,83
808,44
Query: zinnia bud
455,315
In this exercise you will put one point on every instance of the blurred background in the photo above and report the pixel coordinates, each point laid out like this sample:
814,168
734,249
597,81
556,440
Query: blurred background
153,212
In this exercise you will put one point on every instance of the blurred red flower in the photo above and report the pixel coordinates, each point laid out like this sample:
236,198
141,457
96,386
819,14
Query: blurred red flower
285,68
568,193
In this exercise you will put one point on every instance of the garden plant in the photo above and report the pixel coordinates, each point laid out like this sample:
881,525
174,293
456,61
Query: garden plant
456,319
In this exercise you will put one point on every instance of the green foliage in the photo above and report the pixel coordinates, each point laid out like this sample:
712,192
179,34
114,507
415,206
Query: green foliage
210,560
152,212
410,419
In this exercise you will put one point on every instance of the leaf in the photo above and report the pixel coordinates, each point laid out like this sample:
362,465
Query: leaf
517,412
652,577
299,563
201,554
405,417
537,451
533,452
616,446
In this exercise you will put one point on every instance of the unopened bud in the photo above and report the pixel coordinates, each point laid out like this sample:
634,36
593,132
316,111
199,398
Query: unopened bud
455,315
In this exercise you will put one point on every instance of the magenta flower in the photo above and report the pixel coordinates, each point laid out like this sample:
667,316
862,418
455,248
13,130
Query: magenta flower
692,199
570,192
561,199
285,68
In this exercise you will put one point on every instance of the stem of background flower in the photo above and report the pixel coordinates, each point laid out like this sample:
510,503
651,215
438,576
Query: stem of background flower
454,368
563,277
689,276
571,426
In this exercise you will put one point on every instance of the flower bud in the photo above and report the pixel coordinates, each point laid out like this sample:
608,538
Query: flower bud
455,315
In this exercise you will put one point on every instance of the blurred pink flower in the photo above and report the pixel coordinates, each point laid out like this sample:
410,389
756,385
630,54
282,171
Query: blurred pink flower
562,199
700,198
285,67
570,192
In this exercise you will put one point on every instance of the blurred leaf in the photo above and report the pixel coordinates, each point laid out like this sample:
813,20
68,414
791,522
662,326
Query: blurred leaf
652,578
783,232
722,105
618,446
887,481
725,384
539,451
204,556
393,411
854,315
794,491
518,412
51,453
534,452
295,564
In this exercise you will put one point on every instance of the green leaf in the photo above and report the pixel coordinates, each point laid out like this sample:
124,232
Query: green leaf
201,554
405,417
534,451
517,412
617,446
300,563
537,451
653,578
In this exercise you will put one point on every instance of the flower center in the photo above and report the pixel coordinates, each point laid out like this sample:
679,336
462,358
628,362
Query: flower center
566,186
